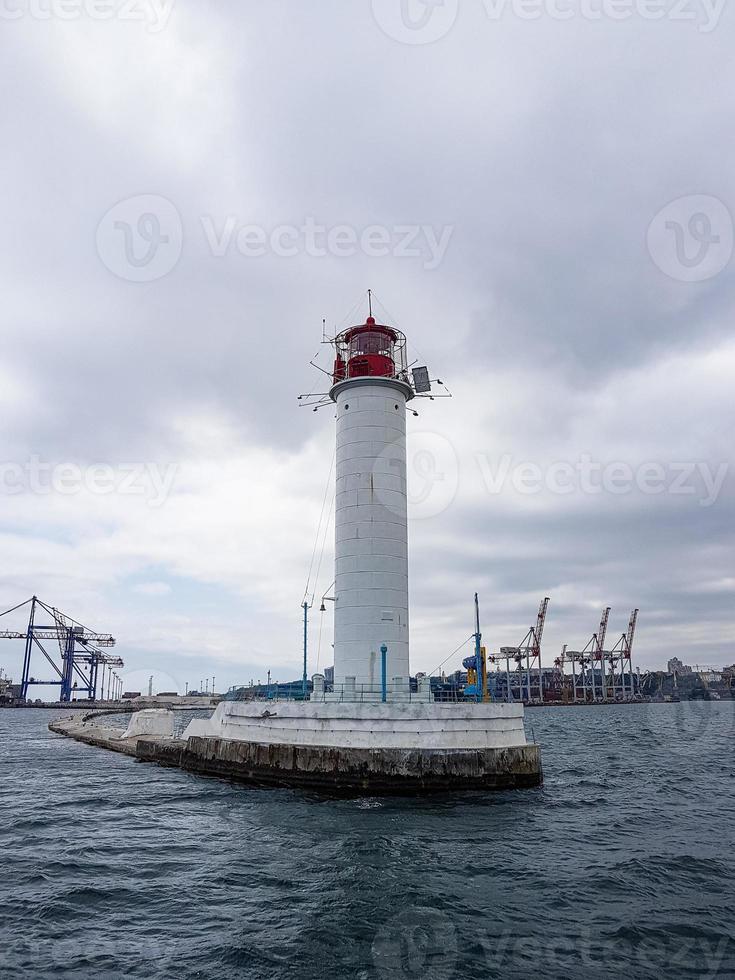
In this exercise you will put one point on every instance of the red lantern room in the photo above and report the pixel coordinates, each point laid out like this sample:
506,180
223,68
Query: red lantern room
371,350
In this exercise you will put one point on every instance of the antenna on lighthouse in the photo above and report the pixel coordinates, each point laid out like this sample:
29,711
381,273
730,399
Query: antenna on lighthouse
370,301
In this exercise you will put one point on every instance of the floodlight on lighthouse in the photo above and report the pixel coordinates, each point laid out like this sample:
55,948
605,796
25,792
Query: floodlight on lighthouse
421,380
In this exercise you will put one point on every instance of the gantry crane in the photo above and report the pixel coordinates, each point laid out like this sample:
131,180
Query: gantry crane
80,656
592,655
623,651
612,666
558,678
599,655
527,656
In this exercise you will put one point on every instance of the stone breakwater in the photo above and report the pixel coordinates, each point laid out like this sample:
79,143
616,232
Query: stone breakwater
339,771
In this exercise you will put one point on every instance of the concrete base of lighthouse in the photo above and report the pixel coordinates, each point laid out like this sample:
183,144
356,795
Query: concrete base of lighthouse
364,748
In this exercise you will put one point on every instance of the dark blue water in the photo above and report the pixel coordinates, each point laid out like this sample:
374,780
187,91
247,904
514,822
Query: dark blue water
620,866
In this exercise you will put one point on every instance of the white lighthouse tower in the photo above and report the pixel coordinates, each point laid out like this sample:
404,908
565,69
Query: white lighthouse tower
375,730
370,391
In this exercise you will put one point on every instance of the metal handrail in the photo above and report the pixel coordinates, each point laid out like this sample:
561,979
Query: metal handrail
360,694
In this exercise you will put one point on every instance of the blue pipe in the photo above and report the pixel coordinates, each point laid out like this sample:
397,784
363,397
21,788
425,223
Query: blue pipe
304,679
478,651
384,673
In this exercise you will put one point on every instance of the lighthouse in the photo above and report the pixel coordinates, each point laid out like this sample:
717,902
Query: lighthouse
371,389
372,729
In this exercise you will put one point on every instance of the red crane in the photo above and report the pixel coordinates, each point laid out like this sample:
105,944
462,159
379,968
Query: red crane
529,650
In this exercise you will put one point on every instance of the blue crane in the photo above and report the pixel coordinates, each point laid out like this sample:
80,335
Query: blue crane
76,667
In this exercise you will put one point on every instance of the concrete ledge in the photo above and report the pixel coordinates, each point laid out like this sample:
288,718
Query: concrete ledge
151,721
351,771
419,725
80,729
336,771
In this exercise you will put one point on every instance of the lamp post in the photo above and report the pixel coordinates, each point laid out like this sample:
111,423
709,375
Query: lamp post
306,622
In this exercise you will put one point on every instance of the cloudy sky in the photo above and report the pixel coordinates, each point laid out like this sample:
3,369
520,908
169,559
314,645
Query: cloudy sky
540,195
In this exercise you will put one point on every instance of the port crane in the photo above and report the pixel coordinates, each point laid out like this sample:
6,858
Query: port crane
601,636
622,651
592,655
76,667
604,675
527,656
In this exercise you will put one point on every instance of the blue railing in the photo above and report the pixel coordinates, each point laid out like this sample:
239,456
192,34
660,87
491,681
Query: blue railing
355,693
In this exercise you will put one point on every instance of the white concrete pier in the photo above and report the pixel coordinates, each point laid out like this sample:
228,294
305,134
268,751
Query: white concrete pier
464,726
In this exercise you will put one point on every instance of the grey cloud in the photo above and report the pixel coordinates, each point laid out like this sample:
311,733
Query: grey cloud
547,148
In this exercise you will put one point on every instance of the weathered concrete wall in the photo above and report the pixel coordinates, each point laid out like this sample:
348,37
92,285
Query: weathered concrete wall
82,730
338,771
151,721
350,725
350,771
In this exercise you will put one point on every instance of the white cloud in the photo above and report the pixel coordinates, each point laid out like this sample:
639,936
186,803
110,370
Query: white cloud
153,588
